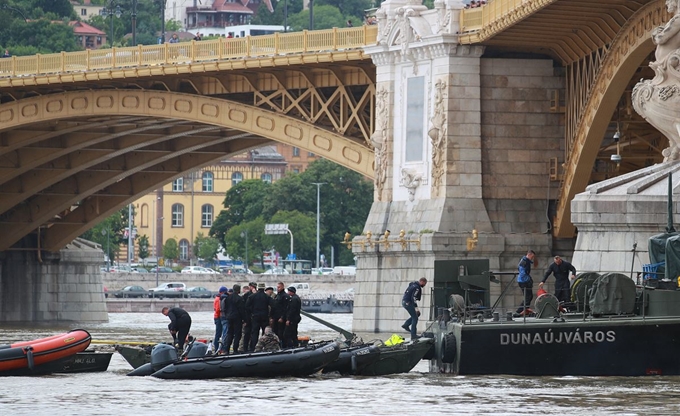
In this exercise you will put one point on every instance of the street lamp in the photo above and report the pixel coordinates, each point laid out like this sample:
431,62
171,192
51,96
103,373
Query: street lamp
108,250
111,11
318,199
311,14
244,234
162,21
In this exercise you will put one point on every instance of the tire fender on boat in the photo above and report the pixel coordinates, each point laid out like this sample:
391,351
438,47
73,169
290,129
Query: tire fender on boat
448,349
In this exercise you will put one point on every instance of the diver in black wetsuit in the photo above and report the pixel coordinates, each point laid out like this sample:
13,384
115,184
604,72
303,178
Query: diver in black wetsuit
179,326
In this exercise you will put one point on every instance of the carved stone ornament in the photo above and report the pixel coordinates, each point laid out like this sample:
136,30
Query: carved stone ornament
437,133
379,139
658,99
410,179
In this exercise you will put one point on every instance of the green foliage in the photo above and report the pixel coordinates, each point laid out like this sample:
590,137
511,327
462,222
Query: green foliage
143,244
244,202
205,247
171,249
346,8
236,245
109,233
263,17
345,200
325,17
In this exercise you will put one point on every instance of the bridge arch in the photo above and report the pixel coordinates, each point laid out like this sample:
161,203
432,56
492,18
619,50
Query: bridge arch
91,182
625,54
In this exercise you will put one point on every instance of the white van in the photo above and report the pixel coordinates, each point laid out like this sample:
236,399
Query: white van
345,270
301,288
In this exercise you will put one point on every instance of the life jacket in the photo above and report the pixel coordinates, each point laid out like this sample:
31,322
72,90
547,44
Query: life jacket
394,340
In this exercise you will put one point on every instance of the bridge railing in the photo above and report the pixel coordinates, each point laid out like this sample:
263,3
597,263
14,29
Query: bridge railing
189,52
473,20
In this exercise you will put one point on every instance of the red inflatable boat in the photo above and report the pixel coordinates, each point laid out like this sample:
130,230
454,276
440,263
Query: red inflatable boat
41,356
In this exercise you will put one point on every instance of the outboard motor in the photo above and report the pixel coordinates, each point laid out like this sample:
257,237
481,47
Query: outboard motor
197,350
162,355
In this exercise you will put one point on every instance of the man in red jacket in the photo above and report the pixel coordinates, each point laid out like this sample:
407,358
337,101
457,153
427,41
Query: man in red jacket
218,319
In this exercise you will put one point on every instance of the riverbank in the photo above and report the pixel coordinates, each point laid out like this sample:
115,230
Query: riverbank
318,283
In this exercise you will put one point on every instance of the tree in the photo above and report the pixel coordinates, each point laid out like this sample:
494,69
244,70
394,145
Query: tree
303,227
170,249
143,244
243,202
346,7
109,233
236,245
205,247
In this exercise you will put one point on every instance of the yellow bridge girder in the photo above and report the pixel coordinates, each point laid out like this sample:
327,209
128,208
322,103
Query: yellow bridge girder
70,159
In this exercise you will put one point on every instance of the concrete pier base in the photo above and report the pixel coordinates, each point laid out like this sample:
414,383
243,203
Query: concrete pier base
63,287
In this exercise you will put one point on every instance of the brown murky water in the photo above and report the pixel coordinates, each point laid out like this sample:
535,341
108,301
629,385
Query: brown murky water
113,393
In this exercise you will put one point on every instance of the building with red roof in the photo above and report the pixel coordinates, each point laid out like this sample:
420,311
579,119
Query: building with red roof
88,36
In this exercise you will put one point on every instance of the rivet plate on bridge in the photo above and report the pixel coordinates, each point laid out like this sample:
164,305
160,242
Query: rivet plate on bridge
322,143
183,106
130,101
293,132
104,101
157,103
265,123
79,103
237,116
55,106
29,110
7,115
210,110
351,155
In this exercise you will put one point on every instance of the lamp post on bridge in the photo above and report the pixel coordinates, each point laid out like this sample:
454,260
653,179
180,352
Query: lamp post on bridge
112,11
107,232
318,199
162,21
244,234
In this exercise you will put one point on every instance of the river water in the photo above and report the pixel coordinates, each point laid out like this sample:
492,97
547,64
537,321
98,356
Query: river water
418,392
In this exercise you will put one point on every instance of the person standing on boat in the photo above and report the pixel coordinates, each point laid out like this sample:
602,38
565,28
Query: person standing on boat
279,309
526,283
179,326
293,318
259,304
409,302
217,316
562,270
236,312
248,291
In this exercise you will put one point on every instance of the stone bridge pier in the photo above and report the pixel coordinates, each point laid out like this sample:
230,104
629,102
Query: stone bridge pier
462,146
43,287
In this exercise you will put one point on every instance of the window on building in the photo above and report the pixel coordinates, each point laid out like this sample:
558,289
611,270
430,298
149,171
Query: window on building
296,151
266,177
208,181
311,154
178,185
183,249
206,216
295,169
236,178
145,216
178,215
83,12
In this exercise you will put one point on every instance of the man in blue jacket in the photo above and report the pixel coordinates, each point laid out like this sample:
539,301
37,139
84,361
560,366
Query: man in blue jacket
525,281
411,295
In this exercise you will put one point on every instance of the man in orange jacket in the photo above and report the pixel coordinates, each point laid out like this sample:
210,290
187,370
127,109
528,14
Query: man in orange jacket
218,319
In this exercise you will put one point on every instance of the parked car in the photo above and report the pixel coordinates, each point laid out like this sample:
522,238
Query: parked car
131,292
198,292
198,270
276,270
323,270
139,270
168,290
162,269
